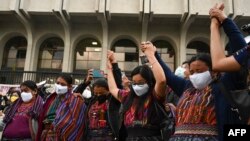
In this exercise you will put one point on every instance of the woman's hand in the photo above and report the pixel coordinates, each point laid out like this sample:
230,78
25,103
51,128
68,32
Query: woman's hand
111,56
148,48
109,61
218,12
89,76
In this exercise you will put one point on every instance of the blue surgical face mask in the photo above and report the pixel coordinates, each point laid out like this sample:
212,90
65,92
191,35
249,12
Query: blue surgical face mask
201,80
61,89
140,89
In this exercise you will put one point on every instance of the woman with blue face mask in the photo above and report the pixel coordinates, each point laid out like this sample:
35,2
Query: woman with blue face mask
63,115
21,117
148,86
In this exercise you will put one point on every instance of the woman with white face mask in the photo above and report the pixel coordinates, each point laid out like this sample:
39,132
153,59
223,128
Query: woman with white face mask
22,116
202,110
148,86
62,109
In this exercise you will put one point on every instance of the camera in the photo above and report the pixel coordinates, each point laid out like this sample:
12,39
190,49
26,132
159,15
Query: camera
144,59
97,73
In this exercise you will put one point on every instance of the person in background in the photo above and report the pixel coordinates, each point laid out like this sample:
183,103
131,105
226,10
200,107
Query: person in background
238,61
63,115
14,96
4,101
87,94
103,121
23,113
183,70
148,87
125,82
86,82
99,126
171,100
85,87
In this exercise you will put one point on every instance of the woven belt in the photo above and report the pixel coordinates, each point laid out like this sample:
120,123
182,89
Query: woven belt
196,129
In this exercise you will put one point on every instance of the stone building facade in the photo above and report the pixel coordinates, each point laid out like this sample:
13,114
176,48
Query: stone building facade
74,35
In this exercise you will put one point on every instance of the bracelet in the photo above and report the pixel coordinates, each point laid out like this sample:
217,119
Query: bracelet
153,63
151,66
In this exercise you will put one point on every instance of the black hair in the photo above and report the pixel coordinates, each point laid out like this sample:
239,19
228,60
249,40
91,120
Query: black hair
30,84
146,72
185,62
204,57
101,82
11,89
16,91
67,78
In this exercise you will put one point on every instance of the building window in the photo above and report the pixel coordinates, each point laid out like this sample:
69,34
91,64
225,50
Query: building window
88,54
126,53
15,53
196,47
166,51
51,54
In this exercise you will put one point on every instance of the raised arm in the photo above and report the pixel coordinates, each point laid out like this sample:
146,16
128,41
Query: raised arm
113,89
81,87
177,84
219,61
160,85
116,70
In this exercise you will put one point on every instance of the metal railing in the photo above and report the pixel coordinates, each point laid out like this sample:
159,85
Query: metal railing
17,77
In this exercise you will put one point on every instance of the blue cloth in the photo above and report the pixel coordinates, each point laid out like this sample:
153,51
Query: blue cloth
224,114
236,39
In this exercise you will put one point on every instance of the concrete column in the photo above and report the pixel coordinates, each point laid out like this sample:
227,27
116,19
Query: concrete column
68,52
68,49
183,36
181,56
145,20
101,15
105,47
29,60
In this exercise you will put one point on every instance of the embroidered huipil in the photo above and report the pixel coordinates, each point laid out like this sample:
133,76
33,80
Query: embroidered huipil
20,120
141,118
97,115
195,113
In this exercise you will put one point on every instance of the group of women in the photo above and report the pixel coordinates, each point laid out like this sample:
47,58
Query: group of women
128,112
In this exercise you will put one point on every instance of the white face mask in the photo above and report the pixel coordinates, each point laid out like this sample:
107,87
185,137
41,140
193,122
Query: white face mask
26,97
61,89
86,93
180,71
200,80
140,89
